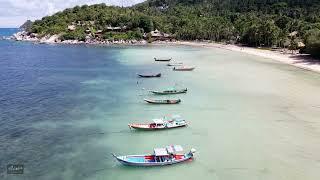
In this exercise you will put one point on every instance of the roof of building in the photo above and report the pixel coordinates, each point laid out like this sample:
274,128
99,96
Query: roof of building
301,44
294,33
156,34
166,35
114,28
71,27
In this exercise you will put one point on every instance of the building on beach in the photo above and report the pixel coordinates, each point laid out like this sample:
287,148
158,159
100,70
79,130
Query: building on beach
71,27
116,29
157,35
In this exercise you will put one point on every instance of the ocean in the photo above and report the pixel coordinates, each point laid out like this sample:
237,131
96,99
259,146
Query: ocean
65,108
6,32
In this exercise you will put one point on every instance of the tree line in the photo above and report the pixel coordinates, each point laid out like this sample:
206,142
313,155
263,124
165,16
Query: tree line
269,23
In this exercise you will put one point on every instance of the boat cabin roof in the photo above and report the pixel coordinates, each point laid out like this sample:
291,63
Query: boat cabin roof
177,118
158,121
174,148
160,152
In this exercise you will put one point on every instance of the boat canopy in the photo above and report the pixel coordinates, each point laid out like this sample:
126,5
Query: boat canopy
160,152
174,148
158,121
177,118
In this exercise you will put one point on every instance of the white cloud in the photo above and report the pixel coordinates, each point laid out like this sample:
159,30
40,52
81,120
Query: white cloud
14,12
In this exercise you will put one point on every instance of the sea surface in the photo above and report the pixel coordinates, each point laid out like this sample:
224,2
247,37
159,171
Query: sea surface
64,109
6,32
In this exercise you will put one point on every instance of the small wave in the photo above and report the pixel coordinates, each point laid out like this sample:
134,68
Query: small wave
96,82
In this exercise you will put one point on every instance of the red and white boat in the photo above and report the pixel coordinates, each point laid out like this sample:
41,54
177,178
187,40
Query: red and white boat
162,156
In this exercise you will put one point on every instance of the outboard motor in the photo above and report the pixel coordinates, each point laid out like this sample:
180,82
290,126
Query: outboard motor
192,151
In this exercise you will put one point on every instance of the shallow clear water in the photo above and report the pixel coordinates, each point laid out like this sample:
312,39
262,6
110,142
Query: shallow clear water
64,109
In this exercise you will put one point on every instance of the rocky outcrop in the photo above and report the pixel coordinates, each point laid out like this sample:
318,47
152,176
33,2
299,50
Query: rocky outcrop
25,36
50,39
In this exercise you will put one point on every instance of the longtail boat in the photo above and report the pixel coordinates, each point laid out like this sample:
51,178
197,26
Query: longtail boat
174,64
162,59
183,68
149,75
161,156
170,91
167,101
175,121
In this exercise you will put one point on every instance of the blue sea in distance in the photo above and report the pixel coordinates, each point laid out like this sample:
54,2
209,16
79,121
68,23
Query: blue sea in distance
65,108
6,32
46,93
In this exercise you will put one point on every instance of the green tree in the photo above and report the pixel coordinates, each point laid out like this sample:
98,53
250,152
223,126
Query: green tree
255,23
312,40
146,23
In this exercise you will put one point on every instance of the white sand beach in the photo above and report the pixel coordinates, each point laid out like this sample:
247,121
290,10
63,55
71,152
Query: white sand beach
299,60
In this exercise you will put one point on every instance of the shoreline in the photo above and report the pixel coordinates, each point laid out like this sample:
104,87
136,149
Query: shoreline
55,39
303,61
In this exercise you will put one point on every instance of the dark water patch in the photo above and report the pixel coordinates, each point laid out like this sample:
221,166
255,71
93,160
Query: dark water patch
43,103
52,151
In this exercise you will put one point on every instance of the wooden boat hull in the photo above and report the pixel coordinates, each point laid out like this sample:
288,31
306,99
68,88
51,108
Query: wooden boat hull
149,75
148,160
183,69
162,60
147,127
170,92
163,101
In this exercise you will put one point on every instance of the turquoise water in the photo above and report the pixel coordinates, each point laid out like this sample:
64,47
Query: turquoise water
6,32
64,109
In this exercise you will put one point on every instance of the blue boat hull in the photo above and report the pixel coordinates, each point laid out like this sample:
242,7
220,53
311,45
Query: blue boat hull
125,160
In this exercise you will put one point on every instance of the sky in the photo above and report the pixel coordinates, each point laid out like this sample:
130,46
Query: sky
14,13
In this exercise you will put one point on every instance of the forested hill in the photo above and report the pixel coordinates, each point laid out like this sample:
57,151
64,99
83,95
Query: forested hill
268,6
26,26
251,22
